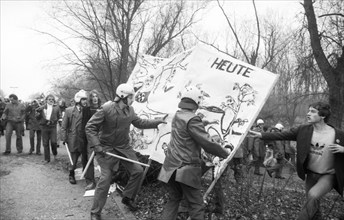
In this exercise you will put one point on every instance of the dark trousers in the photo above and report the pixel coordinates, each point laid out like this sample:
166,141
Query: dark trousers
75,156
89,175
107,164
32,140
178,191
317,186
49,135
18,127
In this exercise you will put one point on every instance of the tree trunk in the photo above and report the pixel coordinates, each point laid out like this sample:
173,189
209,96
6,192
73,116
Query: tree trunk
333,76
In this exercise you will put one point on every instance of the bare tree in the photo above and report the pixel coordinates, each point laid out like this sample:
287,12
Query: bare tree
114,33
328,50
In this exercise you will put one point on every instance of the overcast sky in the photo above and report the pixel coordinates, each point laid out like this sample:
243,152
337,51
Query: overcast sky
27,55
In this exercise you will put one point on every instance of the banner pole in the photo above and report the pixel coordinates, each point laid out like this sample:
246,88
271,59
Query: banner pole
126,159
87,165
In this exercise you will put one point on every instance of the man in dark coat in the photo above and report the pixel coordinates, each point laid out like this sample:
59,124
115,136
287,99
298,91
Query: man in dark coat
87,112
320,156
34,127
181,169
72,131
108,131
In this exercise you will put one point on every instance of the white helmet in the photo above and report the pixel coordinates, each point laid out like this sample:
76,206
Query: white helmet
279,126
193,93
260,121
80,95
124,90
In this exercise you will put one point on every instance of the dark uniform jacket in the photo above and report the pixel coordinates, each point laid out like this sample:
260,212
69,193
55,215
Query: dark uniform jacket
110,125
72,130
303,137
188,136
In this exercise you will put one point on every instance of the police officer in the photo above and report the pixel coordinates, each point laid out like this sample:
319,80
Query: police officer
181,169
108,131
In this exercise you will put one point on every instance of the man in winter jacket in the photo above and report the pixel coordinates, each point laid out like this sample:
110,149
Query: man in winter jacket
34,127
108,131
320,156
181,169
72,131
14,115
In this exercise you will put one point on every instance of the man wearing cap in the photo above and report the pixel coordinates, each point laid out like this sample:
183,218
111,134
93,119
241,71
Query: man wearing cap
181,169
320,156
108,131
72,131
48,115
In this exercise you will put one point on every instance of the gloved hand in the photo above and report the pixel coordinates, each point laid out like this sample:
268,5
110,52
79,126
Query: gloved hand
98,149
64,143
228,147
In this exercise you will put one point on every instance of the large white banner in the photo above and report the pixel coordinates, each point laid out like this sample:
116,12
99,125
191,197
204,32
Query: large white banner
234,93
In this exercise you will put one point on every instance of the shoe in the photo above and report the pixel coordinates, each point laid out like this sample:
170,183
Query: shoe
46,162
90,186
6,152
130,204
30,152
258,174
19,152
95,216
72,180
39,153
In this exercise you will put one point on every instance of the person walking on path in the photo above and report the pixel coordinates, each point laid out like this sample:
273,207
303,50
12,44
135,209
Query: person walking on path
48,115
320,156
181,170
34,127
14,115
94,106
108,131
72,131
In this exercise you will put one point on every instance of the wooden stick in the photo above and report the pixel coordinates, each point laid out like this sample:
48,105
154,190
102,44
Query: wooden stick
127,159
70,157
87,165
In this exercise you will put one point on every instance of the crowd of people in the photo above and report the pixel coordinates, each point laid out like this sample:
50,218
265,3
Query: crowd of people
315,150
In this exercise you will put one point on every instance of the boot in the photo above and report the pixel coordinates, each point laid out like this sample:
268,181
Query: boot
72,177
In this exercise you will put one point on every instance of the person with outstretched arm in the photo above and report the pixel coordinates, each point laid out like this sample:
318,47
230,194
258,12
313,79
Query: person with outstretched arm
108,131
320,156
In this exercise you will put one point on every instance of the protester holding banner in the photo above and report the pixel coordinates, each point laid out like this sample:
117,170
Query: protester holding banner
181,169
320,156
87,112
108,131
72,131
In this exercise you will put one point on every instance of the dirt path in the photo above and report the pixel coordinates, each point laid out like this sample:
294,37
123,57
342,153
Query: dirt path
31,190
